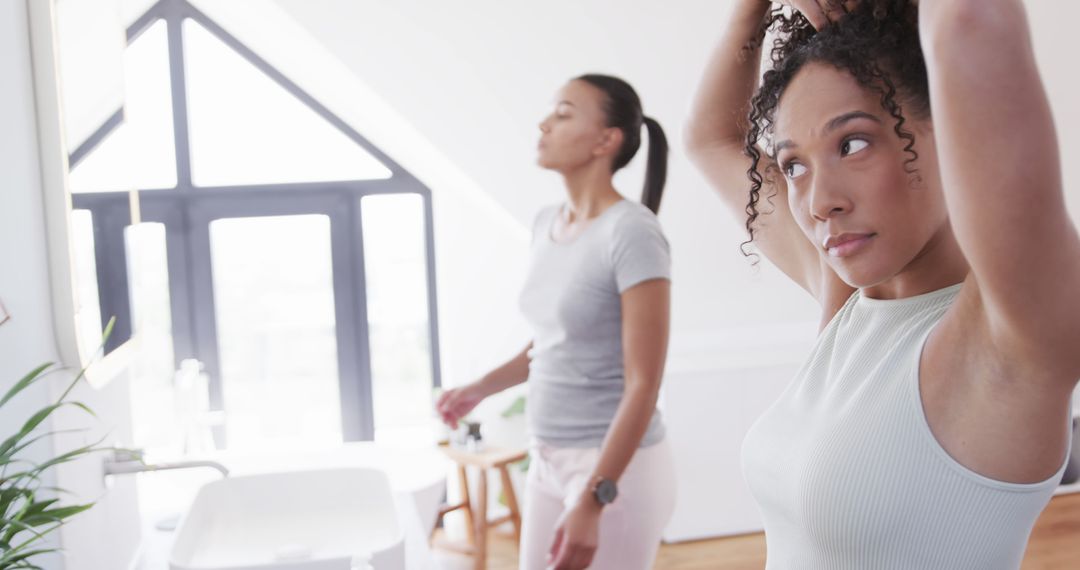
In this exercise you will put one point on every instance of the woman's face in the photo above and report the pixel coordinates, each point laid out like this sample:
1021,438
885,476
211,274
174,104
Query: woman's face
576,131
847,185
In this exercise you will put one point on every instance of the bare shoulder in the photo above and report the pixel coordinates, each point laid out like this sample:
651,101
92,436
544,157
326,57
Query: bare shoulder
993,412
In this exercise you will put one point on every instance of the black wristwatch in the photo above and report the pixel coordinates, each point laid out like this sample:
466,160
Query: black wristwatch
604,491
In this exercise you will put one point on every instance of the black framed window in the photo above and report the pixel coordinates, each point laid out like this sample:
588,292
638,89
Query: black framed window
279,247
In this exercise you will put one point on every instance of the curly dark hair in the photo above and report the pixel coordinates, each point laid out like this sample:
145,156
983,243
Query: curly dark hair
877,42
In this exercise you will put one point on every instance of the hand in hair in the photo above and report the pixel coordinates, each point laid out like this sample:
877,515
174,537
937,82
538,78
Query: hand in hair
820,12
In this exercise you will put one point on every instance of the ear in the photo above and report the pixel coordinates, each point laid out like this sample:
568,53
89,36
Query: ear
611,141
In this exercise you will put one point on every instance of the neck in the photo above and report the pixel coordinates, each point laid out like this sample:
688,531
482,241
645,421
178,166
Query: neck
590,190
940,264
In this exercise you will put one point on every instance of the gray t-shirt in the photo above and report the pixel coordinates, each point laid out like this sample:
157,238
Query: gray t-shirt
572,300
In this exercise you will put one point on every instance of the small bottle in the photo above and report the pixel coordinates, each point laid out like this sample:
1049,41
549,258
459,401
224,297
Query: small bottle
474,442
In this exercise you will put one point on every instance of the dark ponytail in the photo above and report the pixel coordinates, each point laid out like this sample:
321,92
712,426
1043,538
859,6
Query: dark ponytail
623,108
656,167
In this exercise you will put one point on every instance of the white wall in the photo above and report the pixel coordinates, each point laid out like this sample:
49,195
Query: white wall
107,535
475,78
1051,22
26,340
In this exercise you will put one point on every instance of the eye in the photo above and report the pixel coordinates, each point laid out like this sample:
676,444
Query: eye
793,170
852,146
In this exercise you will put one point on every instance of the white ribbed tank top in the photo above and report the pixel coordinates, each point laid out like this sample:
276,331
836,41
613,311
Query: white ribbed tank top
847,473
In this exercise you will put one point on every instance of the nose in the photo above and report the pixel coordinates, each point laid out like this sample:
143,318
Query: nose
828,199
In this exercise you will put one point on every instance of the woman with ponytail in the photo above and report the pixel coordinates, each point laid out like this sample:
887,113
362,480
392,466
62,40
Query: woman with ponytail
601,485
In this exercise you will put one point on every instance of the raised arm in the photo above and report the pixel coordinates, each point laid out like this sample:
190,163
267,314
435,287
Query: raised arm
1001,173
716,135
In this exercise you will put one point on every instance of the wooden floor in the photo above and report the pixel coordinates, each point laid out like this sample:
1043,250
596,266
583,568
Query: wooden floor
1055,545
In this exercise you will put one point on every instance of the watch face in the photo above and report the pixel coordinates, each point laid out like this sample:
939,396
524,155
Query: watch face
605,492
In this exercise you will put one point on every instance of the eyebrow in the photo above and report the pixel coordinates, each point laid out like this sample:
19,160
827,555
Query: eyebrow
832,125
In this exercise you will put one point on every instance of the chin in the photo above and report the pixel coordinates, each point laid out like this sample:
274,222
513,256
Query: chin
862,275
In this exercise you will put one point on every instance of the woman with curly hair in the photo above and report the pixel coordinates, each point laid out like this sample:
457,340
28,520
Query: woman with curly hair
899,163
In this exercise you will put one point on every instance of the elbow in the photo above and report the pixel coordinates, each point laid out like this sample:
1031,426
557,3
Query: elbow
644,388
694,138
700,142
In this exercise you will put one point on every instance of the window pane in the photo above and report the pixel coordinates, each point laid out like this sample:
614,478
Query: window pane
87,301
90,43
246,129
140,153
274,297
395,262
153,366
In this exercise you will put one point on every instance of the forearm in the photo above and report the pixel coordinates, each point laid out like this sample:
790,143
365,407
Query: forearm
722,101
631,422
511,373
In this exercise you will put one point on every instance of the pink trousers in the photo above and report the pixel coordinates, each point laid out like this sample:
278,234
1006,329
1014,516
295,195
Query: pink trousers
630,527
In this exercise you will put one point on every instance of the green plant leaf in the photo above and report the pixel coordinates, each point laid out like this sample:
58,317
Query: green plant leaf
17,477
101,348
54,515
24,382
40,506
14,526
34,422
9,458
8,497
30,425
21,509
516,408
70,456
105,334
24,551
22,557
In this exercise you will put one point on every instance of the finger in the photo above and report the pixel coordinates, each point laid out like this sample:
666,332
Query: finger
578,557
567,558
837,9
562,560
448,418
556,546
814,11
587,557
832,9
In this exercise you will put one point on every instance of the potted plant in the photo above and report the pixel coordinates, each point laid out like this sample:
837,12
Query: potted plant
30,511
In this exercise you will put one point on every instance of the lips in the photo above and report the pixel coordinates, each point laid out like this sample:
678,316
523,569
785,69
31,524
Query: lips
846,244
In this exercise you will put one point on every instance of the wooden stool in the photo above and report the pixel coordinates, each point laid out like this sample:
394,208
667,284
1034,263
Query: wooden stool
476,520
